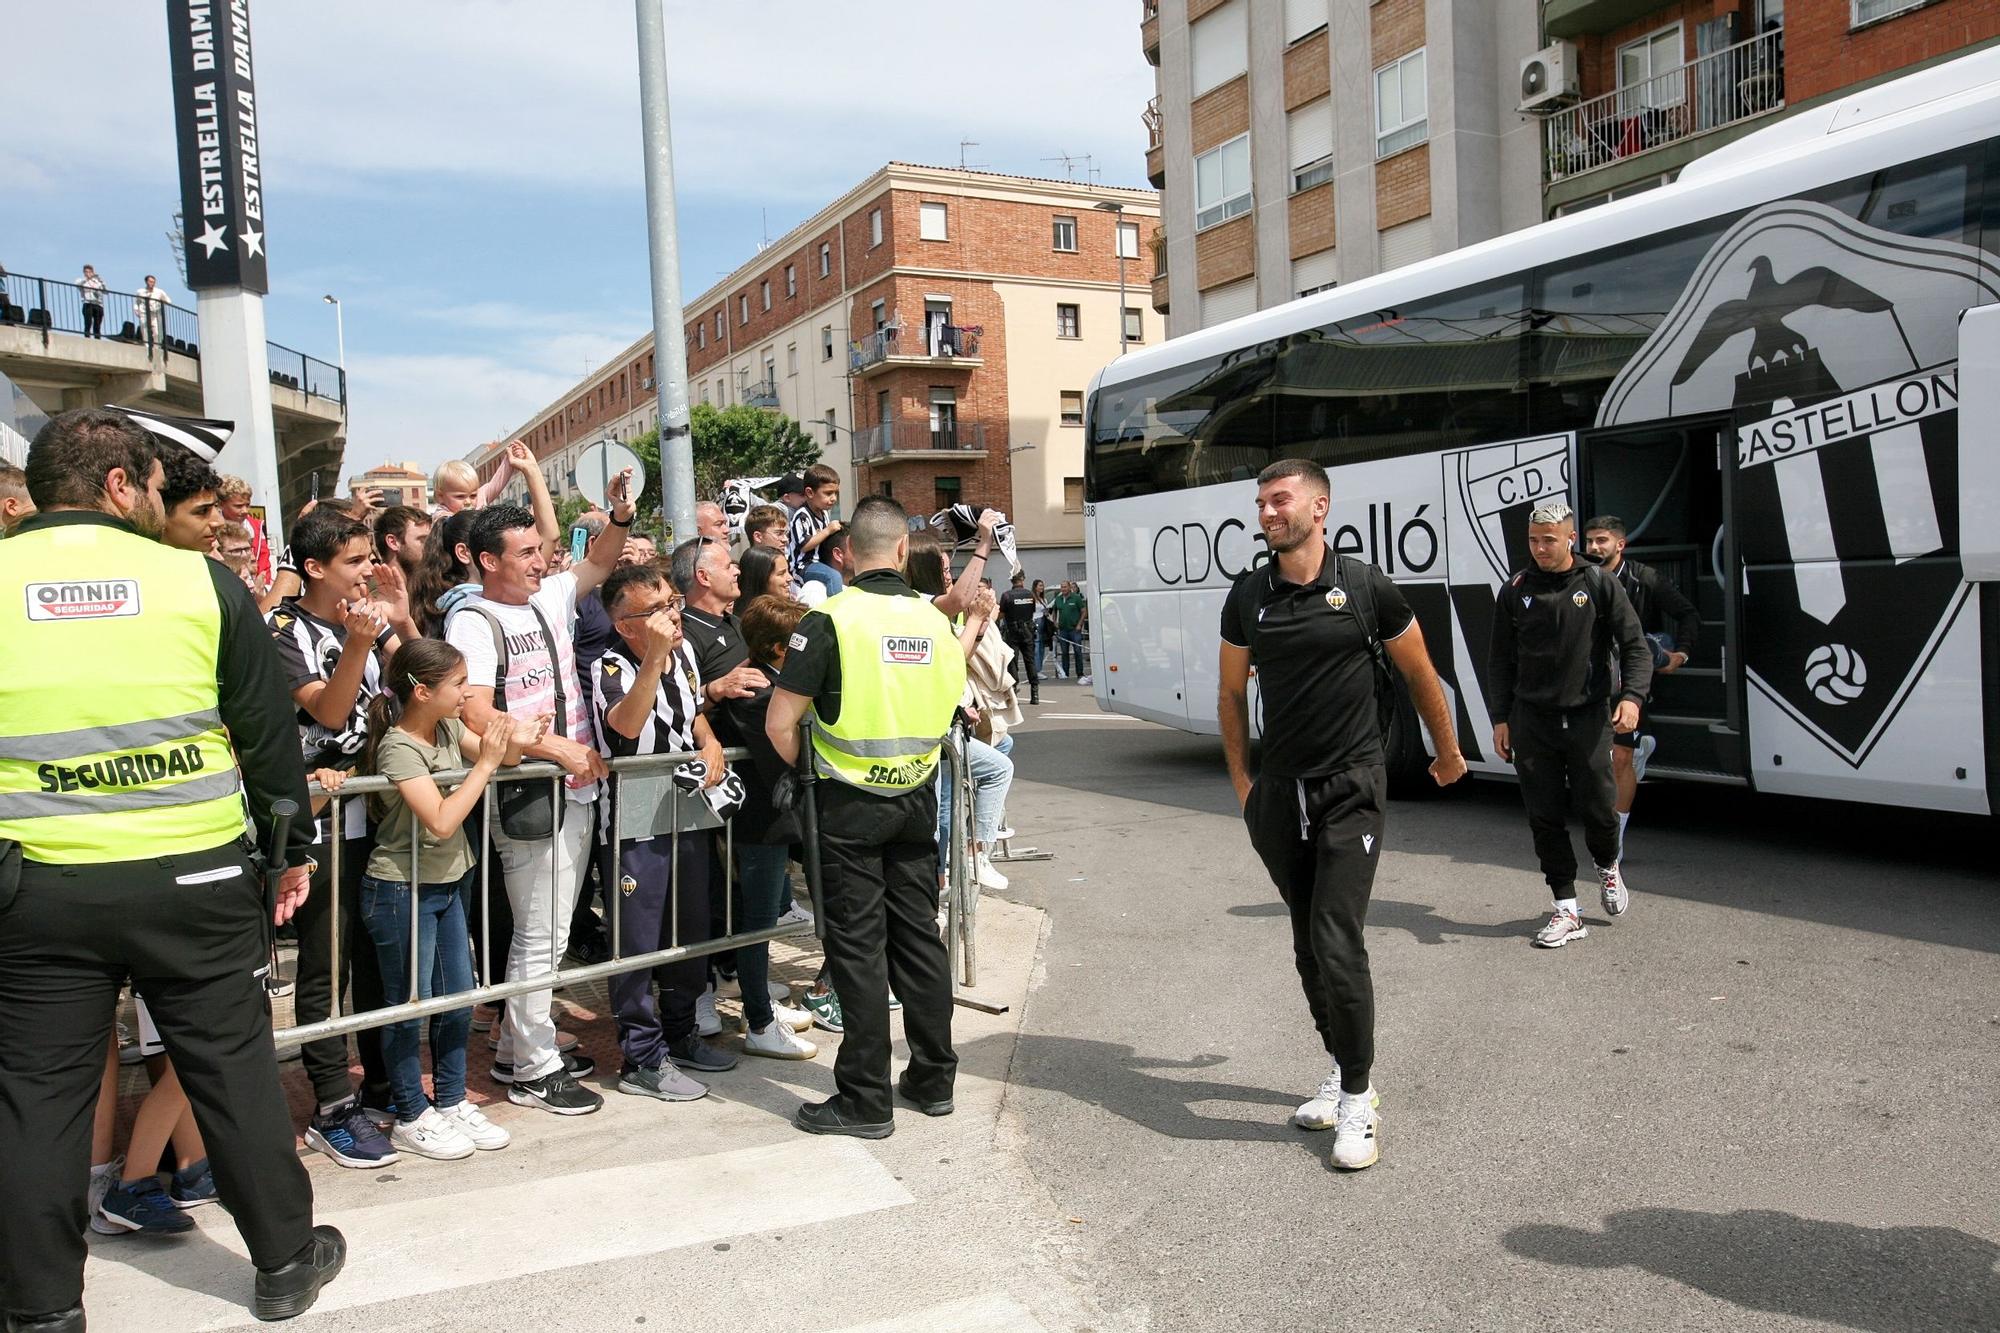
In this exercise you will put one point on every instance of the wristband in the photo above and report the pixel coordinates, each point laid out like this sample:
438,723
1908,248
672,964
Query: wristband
628,521
978,554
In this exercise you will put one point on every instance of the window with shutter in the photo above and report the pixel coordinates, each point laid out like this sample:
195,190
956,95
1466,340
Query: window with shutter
1219,46
1310,131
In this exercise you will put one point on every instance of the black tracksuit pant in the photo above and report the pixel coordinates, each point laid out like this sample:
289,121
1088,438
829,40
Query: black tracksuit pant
360,979
1319,838
1563,757
69,938
879,891
1023,644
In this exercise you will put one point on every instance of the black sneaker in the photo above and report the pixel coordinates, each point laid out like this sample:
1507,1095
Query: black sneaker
827,1118
576,1065
929,1106
557,1092
62,1321
289,1290
691,1052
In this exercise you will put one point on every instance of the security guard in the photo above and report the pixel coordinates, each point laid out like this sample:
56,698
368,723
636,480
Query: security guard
882,673
1551,685
129,671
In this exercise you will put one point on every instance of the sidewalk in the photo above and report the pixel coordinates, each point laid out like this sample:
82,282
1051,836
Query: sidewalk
712,1213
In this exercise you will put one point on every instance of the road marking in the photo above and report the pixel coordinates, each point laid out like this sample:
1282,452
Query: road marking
990,1312
448,1240
1082,717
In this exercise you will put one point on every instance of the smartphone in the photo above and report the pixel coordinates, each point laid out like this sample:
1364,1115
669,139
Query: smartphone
579,542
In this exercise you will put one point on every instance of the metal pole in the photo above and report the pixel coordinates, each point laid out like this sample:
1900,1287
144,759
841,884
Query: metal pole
1121,283
669,343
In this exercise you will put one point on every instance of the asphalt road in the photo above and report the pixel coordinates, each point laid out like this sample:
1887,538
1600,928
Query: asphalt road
1764,1099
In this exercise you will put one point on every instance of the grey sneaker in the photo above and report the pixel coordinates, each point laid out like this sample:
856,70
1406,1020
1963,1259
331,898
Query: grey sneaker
664,1082
691,1052
1562,928
1616,898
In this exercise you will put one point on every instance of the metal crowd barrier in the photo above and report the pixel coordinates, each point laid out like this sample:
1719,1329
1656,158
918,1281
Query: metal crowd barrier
960,898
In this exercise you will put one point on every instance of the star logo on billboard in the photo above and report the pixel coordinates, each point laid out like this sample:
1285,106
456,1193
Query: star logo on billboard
215,238
253,242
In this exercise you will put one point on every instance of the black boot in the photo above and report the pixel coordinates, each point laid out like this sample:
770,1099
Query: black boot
289,1290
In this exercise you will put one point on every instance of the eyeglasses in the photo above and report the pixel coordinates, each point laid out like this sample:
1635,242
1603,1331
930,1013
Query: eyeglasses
673,604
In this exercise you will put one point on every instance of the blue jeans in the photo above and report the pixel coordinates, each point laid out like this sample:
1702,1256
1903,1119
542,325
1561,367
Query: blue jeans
762,893
825,574
444,965
992,776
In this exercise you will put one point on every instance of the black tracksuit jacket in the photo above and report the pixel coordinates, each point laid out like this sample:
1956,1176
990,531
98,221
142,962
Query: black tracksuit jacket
1553,639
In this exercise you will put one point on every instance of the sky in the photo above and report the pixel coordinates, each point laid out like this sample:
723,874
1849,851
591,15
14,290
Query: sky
467,179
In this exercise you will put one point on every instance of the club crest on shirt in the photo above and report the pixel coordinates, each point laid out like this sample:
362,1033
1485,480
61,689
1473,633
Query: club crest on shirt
610,667
1580,597
627,885
1336,598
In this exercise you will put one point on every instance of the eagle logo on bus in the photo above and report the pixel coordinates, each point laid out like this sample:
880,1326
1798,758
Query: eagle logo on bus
1831,344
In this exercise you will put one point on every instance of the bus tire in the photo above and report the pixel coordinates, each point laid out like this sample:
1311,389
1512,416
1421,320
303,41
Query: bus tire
1407,762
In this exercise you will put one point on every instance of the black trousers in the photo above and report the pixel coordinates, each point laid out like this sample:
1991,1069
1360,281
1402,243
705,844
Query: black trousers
360,979
93,320
878,878
69,938
1320,838
1563,757
1023,645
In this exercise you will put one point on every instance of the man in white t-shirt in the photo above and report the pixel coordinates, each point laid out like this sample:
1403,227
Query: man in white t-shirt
528,616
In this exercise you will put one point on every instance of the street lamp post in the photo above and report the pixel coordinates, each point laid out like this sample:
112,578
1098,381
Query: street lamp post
340,342
1117,212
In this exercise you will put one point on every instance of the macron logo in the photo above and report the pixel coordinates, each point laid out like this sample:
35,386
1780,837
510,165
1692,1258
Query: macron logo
1368,842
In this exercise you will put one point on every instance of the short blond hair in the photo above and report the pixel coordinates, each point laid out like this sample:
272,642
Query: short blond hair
233,488
454,472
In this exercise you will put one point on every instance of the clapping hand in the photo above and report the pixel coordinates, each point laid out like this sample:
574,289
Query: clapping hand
493,745
364,619
520,456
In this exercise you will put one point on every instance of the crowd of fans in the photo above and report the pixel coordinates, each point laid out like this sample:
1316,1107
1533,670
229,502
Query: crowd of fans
467,638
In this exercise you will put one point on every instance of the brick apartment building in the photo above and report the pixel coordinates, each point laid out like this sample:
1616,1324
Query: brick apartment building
1638,89
1303,143
937,328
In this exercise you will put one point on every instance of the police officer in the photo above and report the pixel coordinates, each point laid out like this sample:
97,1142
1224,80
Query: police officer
135,681
1550,682
1305,621
881,671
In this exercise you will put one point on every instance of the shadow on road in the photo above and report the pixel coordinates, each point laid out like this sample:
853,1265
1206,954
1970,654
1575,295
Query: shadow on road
1679,829
1878,1279
1148,1090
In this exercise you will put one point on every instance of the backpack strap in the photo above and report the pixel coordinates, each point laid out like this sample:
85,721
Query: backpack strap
1359,579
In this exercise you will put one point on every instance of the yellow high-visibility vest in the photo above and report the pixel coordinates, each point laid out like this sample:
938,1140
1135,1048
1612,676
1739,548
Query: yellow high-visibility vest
112,746
901,676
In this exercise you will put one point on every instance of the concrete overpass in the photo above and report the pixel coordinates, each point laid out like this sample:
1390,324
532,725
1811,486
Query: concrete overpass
44,352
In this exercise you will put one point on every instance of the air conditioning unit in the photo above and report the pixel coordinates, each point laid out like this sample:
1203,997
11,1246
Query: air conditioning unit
646,383
1549,78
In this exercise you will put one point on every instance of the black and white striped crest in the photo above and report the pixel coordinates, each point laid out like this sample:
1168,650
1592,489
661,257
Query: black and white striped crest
204,438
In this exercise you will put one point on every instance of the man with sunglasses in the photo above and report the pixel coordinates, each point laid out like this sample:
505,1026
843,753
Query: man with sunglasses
1551,685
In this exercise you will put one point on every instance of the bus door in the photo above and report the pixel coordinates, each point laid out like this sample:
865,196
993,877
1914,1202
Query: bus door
1669,484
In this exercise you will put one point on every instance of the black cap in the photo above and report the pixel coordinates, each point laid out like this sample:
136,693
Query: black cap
791,482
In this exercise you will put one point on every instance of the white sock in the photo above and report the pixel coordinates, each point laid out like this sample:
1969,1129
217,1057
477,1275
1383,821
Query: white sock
1621,833
1566,905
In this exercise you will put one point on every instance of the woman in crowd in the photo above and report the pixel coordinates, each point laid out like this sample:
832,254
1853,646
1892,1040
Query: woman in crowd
446,576
763,572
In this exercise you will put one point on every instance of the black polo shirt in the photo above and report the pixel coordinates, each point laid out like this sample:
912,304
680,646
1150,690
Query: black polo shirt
812,659
717,642
1314,669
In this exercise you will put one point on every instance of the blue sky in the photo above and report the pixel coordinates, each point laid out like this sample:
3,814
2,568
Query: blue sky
466,177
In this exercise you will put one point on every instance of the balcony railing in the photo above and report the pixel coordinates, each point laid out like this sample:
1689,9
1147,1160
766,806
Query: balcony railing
50,306
930,342
761,393
916,437
1721,88
1150,118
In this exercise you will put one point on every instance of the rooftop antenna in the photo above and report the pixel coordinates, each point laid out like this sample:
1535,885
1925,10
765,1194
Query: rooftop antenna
963,165
764,225
1070,161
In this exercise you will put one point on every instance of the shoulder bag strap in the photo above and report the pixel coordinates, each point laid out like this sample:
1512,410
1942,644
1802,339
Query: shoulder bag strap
499,656
555,667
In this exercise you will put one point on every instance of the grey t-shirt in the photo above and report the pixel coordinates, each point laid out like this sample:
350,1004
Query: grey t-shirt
399,758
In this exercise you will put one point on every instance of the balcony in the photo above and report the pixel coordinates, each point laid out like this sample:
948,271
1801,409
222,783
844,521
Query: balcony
761,393
896,440
1726,87
1159,248
1156,154
1149,31
937,346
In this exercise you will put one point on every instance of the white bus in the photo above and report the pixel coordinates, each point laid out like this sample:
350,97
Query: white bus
1757,368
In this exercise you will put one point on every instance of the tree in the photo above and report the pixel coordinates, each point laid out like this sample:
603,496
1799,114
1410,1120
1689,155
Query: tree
729,443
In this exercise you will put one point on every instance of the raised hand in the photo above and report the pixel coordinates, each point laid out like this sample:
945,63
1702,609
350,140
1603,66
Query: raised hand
520,454
361,618
663,633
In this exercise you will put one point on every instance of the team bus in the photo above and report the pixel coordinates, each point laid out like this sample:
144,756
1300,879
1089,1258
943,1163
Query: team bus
1782,371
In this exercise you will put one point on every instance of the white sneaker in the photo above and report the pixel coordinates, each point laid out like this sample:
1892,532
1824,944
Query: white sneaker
1002,833
1355,1143
778,991
1616,897
1640,754
795,915
103,1178
471,1122
707,1023
780,1042
1562,928
1323,1110
793,1017
729,988
988,877
1083,680
431,1135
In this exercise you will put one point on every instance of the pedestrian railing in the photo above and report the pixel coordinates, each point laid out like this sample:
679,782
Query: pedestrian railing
479,828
